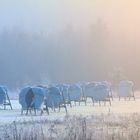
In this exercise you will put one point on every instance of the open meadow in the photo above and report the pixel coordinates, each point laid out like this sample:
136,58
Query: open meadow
121,120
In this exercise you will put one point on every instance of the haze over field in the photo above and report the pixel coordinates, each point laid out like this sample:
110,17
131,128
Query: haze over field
43,41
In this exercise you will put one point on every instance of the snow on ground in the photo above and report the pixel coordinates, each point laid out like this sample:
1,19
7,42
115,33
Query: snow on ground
117,107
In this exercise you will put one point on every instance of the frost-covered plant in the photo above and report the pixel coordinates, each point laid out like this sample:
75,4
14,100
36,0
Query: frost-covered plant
96,127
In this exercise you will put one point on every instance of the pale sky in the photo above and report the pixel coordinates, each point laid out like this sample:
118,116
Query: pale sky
33,14
41,14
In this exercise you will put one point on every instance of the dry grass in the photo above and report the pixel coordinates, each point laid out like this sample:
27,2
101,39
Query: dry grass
96,127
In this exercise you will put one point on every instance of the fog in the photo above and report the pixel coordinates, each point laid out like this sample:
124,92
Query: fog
51,41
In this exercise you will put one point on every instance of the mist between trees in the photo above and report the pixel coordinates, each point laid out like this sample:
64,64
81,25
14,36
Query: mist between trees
71,54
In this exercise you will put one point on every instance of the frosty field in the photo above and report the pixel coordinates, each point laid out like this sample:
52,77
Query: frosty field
119,121
117,107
